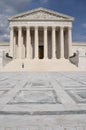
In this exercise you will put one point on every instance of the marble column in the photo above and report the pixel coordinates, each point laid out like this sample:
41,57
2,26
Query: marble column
45,43
14,48
53,42
69,41
36,42
28,42
20,42
11,41
61,42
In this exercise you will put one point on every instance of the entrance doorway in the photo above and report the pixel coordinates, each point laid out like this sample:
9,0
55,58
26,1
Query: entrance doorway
41,52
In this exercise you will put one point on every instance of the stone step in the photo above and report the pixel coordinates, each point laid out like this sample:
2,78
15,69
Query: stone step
44,128
40,65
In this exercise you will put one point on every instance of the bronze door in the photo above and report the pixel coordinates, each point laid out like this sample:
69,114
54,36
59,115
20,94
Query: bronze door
41,52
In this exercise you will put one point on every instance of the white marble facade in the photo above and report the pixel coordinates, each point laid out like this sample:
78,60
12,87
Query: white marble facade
41,34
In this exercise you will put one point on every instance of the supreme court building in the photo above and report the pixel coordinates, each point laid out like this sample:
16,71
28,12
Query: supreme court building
41,34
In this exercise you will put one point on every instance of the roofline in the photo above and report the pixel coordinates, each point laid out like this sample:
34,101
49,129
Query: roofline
79,44
40,9
4,44
68,20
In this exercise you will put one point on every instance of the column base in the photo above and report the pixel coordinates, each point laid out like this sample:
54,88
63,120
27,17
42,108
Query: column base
14,58
10,54
45,58
62,58
28,57
36,58
54,58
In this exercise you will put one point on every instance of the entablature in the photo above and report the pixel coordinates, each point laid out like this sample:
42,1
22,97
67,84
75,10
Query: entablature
43,24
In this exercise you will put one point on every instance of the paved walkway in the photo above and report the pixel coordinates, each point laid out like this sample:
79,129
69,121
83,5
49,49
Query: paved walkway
43,101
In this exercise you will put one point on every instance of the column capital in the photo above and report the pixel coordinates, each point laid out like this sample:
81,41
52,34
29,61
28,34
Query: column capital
19,27
69,28
11,28
36,27
45,27
27,27
62,27
53,27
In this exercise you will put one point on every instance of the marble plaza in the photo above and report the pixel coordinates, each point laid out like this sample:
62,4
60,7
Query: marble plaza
43,101
32,97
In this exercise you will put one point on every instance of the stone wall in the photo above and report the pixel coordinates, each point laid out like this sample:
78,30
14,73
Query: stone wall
81,49
4,47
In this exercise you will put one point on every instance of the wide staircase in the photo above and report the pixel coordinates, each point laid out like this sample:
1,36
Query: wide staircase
40,65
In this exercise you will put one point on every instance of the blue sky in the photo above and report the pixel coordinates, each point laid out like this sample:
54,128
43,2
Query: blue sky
75,8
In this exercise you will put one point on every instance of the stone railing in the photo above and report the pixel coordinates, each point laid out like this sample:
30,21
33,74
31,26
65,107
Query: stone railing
74,59
5,58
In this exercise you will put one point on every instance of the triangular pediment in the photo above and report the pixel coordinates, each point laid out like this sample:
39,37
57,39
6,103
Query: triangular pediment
41,14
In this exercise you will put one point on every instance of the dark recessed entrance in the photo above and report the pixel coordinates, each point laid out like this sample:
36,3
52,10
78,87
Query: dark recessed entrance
41,52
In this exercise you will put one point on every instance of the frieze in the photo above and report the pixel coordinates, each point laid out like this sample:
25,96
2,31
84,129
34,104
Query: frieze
47,23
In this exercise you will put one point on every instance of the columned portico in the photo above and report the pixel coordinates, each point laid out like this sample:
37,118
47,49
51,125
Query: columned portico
41,35
36,42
